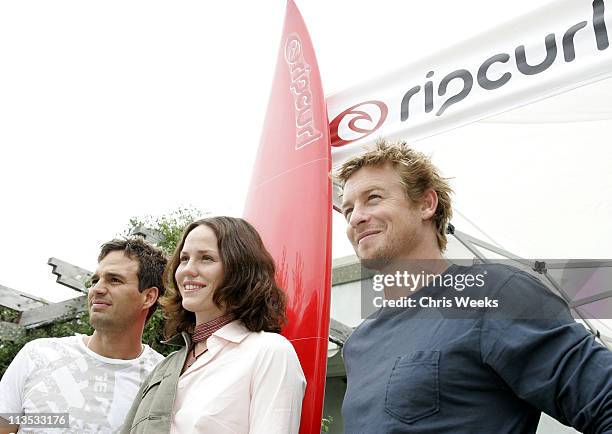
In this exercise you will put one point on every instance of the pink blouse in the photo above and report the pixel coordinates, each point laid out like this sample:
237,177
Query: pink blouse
246,382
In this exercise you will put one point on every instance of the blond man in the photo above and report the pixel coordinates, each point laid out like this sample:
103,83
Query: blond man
414,369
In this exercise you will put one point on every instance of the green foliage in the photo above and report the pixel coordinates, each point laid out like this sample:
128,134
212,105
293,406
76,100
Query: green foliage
8,315
153,334
79,324
326,422
170,228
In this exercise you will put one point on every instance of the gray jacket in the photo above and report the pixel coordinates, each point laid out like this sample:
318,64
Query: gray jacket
151,411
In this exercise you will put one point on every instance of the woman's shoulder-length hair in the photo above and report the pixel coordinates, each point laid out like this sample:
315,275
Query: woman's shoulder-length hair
248,290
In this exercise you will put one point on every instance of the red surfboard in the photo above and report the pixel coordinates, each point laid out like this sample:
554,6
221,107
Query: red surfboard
289,202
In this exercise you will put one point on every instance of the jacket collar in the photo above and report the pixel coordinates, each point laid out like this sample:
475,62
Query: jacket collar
179,340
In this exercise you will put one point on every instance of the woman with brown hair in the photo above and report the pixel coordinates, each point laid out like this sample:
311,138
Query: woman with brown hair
234,372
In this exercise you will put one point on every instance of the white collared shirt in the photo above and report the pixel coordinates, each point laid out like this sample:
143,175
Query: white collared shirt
246,382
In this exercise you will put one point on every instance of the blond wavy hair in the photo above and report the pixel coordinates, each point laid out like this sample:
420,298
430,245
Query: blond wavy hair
417,174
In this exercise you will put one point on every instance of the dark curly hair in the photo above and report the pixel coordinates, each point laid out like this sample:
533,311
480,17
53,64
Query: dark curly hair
248,290
151,263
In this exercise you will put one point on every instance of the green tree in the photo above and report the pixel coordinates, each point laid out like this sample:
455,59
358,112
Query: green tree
169,226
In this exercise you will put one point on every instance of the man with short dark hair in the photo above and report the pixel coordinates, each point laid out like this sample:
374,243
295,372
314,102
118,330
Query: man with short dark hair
94,378
422,364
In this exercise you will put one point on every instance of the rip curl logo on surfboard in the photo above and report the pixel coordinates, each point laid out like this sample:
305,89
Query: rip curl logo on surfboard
299,74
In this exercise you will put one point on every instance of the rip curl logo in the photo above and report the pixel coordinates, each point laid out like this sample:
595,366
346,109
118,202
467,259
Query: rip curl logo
299,73
360,120
570,52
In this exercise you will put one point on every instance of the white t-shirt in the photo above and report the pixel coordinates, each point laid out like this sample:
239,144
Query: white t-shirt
62,375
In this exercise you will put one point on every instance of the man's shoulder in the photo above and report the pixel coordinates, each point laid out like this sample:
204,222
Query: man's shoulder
520,294
51,342
360,332
151,355
497,276
495,269
36,354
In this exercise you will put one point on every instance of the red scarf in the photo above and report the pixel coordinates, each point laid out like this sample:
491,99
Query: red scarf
204,331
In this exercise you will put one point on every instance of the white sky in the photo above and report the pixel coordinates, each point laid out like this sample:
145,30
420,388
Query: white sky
110,110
